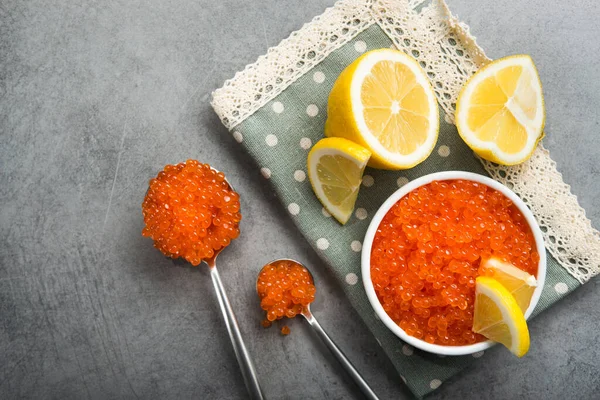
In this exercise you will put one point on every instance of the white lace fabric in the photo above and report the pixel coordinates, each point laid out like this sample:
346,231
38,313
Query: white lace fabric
449,54
273,72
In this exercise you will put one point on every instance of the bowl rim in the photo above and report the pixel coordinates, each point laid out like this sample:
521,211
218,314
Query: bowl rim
383,210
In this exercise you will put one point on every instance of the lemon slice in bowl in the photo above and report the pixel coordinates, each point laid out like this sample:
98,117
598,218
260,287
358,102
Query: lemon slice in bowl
335,170
384,102
500,111
518,282
498,317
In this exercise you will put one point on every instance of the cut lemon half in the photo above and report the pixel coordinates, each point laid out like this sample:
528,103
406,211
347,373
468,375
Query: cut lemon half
384,102
335,170
518,282
498,316
500,111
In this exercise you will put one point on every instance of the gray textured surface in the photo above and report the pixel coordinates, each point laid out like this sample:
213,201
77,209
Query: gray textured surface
95,97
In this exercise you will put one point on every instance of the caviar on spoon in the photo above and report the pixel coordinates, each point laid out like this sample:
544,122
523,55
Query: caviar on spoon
191,211
286,288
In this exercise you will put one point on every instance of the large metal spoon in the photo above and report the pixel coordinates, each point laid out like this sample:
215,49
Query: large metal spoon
241,353
364,387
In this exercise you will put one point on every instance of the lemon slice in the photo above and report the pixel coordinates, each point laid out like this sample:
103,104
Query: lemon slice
335,170
498,316
518,282
384,102
500,111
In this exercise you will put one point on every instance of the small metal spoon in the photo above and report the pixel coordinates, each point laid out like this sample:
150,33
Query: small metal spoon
241,353
364,387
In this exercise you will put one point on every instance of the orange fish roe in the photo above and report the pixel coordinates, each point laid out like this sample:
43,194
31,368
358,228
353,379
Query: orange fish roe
190,211
285,330
266,323
427,252
284,289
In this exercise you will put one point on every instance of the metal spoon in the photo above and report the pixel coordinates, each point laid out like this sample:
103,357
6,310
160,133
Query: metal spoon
364,387
241,353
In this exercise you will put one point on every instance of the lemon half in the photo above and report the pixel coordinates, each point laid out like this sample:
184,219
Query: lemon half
500,111
384,102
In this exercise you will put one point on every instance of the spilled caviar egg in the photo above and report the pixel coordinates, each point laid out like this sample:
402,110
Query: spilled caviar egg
266,323
428,250
190,211
284,288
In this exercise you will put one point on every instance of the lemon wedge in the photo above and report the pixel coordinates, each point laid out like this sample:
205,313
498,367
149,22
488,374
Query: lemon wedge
500,111
335,170
518,282
498,316
384,102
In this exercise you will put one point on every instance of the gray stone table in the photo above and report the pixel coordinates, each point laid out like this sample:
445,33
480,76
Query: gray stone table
96,96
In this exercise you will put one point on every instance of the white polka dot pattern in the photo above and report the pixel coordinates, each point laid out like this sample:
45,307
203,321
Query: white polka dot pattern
312,110
305,143
360,46
444,151
278,107
561,288
319,77
361,213
368,181
323,244
271,140
266,172
294,209
238,136
435,383
401,181
299,175
351,278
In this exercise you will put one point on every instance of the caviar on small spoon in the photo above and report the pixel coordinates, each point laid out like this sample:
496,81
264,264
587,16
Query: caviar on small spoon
286,288
191,211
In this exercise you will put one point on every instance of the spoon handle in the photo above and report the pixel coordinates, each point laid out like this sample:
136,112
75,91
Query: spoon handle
241,353
364,387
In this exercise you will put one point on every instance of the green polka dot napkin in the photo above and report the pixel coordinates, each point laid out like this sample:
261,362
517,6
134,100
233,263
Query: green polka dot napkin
276,110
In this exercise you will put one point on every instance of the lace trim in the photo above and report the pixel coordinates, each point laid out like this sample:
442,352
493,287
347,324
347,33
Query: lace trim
568,233
450,55
260,82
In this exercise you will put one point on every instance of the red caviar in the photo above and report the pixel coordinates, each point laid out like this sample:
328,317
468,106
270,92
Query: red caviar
285,330
427,253
284,289
190,211
266,323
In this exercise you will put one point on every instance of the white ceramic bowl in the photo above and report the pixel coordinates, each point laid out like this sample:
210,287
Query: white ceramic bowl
368,242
